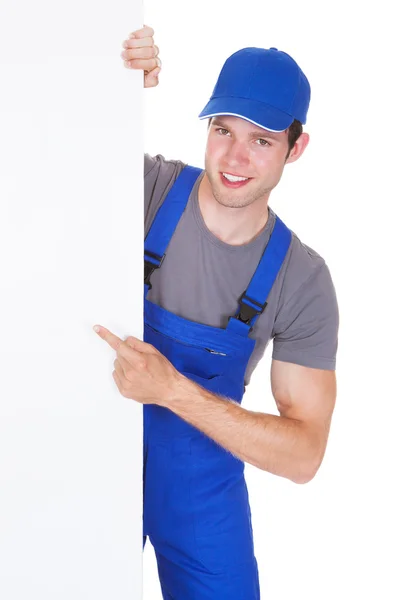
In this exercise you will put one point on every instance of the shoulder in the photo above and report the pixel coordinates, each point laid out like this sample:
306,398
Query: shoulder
306,274
307,319
302,265
158,167
159,176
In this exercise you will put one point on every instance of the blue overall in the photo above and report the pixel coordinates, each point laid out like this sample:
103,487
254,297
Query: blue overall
196,510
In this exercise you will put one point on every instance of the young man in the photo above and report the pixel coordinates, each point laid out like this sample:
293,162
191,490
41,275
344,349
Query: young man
224,276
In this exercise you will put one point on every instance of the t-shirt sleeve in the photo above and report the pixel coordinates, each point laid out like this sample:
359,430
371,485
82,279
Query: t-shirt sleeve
307,330
159,176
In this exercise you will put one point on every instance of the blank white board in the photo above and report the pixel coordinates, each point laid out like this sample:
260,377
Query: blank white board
71,256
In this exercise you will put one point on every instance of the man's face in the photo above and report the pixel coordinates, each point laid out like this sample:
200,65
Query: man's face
237,147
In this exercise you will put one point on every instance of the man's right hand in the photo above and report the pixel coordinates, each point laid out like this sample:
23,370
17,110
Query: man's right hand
140,52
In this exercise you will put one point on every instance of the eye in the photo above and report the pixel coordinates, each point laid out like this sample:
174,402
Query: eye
265,142
221,129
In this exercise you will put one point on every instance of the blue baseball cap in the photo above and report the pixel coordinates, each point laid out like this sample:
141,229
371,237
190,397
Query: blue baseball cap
265,87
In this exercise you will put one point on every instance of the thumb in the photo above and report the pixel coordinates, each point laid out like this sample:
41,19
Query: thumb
151,78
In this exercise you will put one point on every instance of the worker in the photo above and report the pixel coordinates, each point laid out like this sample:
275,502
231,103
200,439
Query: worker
224,275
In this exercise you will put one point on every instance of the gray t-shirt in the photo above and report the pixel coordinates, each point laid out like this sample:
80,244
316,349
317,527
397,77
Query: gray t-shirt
202,278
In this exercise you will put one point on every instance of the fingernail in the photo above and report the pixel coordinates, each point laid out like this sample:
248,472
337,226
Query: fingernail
132,35
125,44
96,328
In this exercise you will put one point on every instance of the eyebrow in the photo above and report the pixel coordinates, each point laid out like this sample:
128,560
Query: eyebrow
256,133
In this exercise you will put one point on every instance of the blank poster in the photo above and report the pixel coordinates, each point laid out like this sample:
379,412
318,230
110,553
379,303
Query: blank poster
71,256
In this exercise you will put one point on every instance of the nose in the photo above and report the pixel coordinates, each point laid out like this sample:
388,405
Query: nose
237,155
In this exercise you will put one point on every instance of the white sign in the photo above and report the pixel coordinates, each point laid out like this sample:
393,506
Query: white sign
71,256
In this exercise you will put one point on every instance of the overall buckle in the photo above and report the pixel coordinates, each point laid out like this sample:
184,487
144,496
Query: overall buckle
246,312
150,267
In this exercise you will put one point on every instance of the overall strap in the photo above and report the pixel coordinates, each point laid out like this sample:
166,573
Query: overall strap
166,220
254,300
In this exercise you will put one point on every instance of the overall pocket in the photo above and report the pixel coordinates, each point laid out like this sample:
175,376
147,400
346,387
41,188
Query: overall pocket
196,361
201,379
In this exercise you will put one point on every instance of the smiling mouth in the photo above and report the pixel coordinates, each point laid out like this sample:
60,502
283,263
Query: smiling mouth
234,178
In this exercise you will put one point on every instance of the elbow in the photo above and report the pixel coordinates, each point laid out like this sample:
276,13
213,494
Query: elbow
302,479
308,467
307,472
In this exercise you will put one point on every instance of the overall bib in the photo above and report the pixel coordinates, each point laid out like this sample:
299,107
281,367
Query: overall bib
196,510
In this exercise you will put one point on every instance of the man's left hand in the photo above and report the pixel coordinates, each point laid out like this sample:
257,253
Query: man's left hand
141,373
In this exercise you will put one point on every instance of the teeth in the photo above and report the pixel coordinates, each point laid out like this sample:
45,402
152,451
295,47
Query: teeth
234,177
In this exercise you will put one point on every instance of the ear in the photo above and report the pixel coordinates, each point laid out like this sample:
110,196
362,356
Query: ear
298,148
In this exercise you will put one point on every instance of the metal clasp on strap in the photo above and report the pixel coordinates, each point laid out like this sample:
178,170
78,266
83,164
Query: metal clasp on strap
246,311
150,266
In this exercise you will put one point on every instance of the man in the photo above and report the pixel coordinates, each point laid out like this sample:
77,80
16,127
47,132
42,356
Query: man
223,276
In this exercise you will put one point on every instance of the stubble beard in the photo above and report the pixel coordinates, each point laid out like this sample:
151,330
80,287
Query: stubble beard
236,201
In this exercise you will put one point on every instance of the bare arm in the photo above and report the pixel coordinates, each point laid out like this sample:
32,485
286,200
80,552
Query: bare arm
291,445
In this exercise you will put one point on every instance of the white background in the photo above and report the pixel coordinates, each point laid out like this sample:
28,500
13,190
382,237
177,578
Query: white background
337,536
71,164
71,248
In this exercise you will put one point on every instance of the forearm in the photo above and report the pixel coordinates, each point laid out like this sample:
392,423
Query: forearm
273,443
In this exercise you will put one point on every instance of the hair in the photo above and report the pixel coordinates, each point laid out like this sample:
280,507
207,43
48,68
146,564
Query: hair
294,132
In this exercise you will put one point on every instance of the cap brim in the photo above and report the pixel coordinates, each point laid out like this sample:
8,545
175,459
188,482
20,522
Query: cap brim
258,113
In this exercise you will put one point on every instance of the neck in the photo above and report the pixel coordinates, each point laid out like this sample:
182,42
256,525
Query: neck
234,226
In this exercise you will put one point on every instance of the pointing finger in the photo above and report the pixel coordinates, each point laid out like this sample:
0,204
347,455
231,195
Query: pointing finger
112,340
140,346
